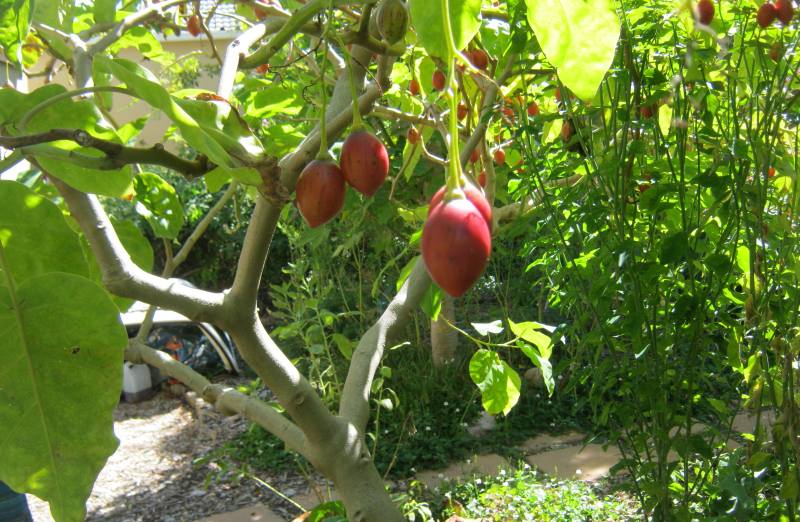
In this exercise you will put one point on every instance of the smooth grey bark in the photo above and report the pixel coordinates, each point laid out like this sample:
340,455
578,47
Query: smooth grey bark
444,339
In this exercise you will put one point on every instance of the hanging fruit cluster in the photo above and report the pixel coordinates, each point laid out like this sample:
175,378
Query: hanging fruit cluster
768,12
364,161
320,190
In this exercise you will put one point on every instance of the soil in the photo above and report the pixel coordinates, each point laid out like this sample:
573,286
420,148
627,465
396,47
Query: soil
154,474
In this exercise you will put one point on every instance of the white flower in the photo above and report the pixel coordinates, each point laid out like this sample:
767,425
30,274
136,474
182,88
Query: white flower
446,403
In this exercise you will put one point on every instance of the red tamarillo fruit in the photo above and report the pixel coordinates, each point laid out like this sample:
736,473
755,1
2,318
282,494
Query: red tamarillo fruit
474,195
412,135
566,131
784,10
364,161
438,80
500,156
704,11
413,87
479,59
766,14
456,243
482,179
533,109
474,156
193,25
320,192
648,111
462,111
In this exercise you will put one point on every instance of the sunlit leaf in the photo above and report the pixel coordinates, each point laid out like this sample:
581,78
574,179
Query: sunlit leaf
498,382
579,37
426,17
158,203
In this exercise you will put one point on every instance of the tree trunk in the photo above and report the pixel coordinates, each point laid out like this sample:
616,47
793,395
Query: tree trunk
363,493
444,339
344,458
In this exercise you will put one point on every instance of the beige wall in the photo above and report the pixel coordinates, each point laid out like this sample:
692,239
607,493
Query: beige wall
126,109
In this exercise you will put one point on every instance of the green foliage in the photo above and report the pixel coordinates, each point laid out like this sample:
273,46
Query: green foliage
15,19
24,218
59,383
524,494
579,38
498,382
36,111
159,205
428,22
659,237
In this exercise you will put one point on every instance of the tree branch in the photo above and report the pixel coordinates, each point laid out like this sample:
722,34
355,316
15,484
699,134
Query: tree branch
204,223
487,108
391,113
298,19
367,356
121,275
127,23
227,400
293,391
513,210
117,155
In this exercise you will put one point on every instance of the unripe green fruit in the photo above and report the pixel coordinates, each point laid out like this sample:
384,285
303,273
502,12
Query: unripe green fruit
392,18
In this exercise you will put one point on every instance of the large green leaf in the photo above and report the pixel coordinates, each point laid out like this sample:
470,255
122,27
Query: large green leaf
498,382
426,17
147,87
54,13
221,121
104,182
60,378
529,331
104,10
267,100
14,23
432,301
159,204
35,236
543,364
142,39
70,114
14,104
579,37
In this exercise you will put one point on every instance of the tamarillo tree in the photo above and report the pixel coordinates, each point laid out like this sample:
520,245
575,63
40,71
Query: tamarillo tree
66,269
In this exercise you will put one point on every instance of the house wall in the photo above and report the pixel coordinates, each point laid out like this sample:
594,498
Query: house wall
125,109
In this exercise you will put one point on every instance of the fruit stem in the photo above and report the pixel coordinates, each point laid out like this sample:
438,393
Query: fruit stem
323,137
358,122
454,174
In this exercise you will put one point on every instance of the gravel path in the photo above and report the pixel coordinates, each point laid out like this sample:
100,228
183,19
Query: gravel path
152,475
